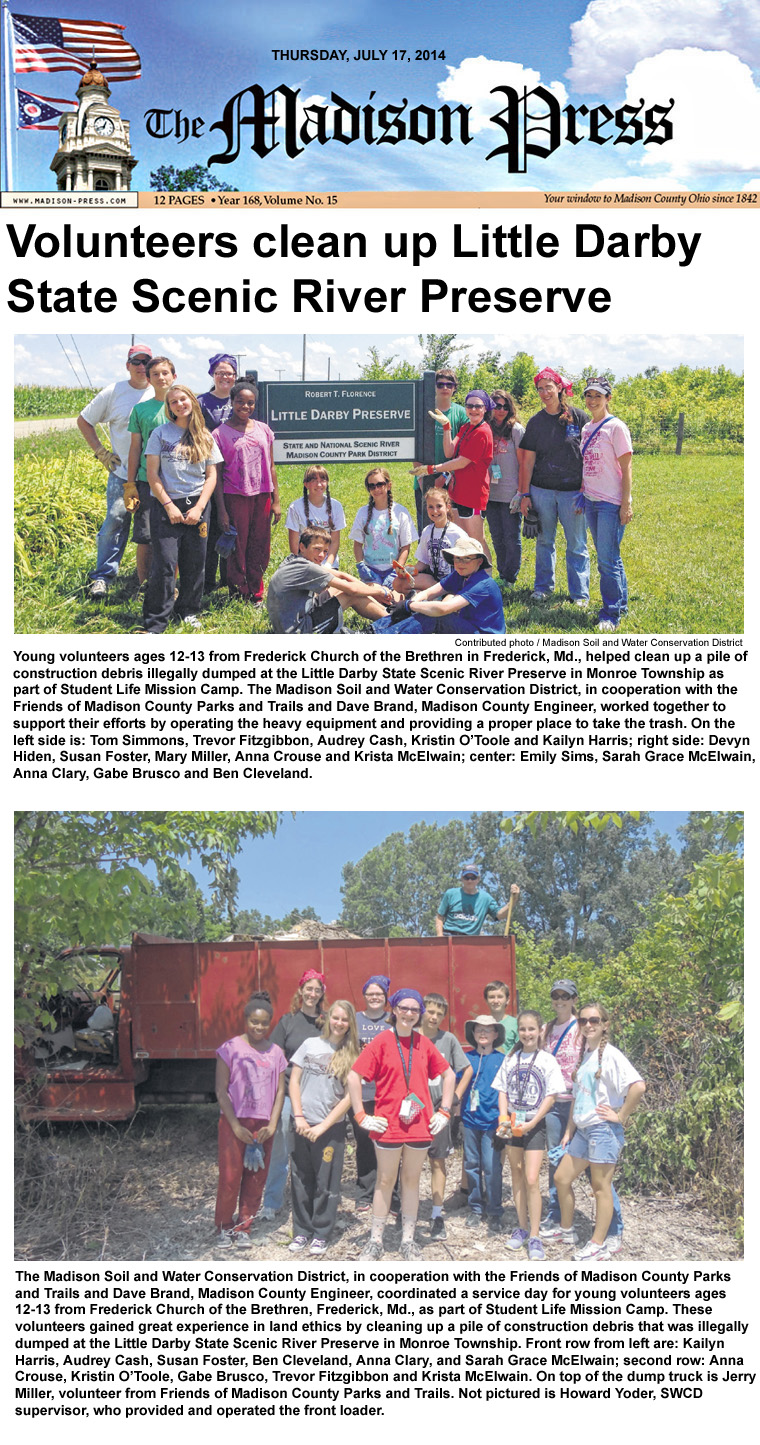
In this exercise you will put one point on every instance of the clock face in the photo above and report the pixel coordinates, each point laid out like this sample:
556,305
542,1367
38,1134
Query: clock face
103,125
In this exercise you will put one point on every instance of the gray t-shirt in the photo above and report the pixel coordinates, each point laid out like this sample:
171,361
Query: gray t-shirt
181,477
295,579
320,1091
454,1055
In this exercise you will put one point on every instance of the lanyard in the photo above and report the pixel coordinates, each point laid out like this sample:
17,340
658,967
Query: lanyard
596,430
556,1047
407,1072
436,549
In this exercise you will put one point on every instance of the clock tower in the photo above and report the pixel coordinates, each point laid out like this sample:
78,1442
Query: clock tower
93,142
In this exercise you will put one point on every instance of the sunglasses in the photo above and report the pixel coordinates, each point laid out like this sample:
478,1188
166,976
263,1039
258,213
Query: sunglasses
474,406
561,997
376,486
445,385
499,405
586,1023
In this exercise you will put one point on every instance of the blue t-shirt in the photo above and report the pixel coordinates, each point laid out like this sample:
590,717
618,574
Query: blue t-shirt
484,611
480,1102
466,912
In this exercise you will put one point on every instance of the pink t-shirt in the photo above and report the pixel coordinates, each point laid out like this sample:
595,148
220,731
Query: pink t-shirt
567,1054
247,471
602,474
254,1076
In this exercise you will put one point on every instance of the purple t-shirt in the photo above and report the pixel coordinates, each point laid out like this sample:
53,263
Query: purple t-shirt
218,408
247,471
254,1076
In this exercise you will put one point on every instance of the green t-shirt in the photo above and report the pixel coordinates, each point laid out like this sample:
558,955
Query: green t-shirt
144,418
457,416
510,1034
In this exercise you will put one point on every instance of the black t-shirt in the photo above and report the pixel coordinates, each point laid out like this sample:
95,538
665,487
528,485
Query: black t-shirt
557,445
291,1031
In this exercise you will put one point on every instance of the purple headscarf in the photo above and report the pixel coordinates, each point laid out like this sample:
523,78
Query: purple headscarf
480,396
407,993
381,981
213,362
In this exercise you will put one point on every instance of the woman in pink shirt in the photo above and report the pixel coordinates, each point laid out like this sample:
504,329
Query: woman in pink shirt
606,451
250,1090
248,496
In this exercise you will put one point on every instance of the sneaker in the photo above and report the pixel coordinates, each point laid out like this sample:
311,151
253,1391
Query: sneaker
473,1220
539,596
569,1238
318,1246
372,1251
550,1229
607,625
438,1227
494,1225
410,1250
98,589
517,1239
192,620
580,602
614,1243
300,1242
224,1238
592,1251
266,1214
364,1207
536,1249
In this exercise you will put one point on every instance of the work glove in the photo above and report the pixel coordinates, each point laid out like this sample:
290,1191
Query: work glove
108,459
400,611
437,1123
131,496
374,1124
531,524
253,1158
555,1155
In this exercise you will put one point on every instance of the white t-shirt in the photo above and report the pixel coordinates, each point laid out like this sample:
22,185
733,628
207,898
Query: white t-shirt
429,548
602,473
380,549
112,407
526,1079
589,1092
318,516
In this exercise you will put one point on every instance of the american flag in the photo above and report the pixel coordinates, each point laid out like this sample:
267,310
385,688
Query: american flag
41,43
35,112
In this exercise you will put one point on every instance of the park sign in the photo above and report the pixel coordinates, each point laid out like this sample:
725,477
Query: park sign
347,421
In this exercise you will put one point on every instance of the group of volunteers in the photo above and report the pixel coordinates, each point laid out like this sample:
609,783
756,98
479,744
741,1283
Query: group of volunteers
519,1086
195,477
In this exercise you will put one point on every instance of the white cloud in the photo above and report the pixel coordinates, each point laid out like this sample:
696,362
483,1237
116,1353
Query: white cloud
471,83
21,354
174,348
321,347
752,185
716,116
613,35
205,343
301,117
635,182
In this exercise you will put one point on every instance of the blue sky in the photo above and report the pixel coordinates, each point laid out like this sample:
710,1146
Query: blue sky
302,864
43,360
586,51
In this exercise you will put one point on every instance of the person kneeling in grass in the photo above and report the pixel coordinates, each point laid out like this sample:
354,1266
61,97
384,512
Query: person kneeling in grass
306,574
466,601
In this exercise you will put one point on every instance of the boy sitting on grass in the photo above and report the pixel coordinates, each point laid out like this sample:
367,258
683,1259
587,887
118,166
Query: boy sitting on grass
304,574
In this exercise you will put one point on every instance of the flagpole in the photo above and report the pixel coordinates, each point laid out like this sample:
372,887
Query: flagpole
7,125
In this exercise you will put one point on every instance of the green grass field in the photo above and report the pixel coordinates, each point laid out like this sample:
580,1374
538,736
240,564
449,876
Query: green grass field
683,552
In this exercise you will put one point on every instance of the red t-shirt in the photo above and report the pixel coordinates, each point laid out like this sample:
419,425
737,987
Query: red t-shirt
471,485
380,1062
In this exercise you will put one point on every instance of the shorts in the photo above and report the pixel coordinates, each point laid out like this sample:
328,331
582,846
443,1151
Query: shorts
141,518
384,576
536,1139
440,1148
600,1143
466,511
404,1144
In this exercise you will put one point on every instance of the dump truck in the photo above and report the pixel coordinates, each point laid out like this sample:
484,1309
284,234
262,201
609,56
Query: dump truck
173,1002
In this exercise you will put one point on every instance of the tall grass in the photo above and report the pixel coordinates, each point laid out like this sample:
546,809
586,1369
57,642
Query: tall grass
683,552
42,401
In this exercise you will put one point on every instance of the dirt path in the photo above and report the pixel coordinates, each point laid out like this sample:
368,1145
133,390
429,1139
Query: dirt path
48,423
146,1192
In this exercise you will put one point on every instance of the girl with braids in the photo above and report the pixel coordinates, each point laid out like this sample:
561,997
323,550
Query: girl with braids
551,471
606,1091
400,1062
382,532
528,1082
503,522
316,509
181,458
250,1089
319,1101
248,495
431,565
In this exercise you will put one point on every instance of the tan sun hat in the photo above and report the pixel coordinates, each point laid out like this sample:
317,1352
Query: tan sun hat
485,1021
464,547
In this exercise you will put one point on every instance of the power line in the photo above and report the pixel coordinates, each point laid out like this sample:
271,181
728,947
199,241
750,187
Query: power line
68,358
84,368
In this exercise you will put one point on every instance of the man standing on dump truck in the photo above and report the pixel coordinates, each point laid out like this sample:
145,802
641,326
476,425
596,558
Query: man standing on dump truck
465,909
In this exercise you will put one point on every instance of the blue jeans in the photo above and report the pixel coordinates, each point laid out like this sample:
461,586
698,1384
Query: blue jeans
556,1124
385,576
277,1178
607,531
114,533
482,1164
553,507
506,534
